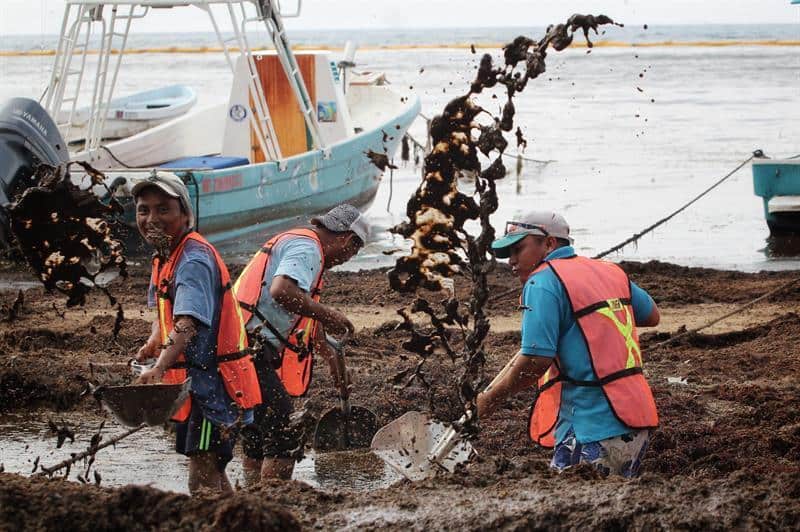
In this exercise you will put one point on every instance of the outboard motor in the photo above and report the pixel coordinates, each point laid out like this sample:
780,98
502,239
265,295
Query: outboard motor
28,137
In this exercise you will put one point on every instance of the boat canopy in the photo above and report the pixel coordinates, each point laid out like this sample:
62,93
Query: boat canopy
82,17
171,3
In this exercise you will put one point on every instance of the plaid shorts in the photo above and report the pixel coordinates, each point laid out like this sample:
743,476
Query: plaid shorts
621,455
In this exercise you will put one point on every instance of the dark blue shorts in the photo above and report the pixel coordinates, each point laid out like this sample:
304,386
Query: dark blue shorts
199,435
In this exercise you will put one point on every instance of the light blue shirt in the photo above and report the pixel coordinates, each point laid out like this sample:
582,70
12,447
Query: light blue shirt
549,329
296,257
195,292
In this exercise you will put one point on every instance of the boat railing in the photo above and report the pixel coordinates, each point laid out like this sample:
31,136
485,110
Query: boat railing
80,16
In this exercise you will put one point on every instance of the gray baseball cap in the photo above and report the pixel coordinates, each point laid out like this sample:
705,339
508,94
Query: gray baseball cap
172,185
342,218
539,223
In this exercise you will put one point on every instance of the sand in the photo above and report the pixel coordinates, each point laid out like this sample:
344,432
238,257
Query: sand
727,454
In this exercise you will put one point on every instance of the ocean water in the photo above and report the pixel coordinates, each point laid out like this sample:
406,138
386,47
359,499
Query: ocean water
630,133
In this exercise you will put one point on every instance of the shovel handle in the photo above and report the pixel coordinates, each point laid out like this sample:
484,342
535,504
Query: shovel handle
450,436
503,372
341,369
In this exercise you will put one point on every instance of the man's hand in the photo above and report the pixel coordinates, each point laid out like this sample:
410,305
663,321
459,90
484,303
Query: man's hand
150,347
151,376
336,322
287,294
184,330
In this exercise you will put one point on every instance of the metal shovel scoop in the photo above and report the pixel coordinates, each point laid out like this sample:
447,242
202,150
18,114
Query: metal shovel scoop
152,404
418,447
346,426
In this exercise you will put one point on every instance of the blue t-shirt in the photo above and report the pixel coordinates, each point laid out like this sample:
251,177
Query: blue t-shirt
195,292
296,257
549,329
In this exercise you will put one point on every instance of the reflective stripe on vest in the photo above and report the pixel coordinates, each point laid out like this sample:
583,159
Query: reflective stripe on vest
233,360
297,361
600,297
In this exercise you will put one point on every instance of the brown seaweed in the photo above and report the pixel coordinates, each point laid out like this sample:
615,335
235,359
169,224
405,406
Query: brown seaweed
64,232
441,247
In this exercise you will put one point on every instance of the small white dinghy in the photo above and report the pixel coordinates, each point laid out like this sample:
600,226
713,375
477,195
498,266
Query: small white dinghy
135,113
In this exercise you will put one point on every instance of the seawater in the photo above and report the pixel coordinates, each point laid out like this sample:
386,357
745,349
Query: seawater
632,133
147,457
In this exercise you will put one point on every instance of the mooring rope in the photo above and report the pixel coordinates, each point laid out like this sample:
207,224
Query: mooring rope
737,310
640,234
757,154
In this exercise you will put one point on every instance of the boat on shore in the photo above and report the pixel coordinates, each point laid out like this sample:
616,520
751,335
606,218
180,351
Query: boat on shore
777,182
292,139
132,114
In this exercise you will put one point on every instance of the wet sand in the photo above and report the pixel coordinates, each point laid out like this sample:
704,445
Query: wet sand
727,454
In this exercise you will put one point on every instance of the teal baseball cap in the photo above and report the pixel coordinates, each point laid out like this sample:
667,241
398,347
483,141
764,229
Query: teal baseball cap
538,223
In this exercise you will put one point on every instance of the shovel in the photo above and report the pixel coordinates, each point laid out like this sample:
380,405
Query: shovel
346,426
418,447
152,404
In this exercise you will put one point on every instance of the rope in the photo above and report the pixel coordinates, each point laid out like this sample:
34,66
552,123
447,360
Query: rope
782,287
637,236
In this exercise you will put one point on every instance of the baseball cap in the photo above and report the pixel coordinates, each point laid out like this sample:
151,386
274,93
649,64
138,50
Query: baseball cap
540,223
172,185
342,218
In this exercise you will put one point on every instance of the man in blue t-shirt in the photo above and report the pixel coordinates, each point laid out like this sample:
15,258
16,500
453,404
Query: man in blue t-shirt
289,281
164,217
586,429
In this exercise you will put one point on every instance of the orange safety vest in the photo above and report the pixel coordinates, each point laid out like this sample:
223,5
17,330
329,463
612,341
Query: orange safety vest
599,293
297,361
234,361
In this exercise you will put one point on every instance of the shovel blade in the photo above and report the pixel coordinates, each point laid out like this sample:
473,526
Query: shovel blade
153,404
338,432
406,442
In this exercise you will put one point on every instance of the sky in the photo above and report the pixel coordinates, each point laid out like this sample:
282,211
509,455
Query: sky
44,16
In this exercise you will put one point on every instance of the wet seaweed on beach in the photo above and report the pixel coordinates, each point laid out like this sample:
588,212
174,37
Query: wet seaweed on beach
12,311
64,232
442,249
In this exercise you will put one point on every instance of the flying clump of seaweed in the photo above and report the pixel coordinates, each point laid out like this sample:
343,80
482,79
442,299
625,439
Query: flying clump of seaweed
65,234
438,211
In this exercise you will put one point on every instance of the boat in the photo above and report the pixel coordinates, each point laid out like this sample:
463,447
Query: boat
132,114
777,182
292,139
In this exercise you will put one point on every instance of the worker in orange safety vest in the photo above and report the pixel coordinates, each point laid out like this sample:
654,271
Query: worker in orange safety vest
279,291
580,350
199,332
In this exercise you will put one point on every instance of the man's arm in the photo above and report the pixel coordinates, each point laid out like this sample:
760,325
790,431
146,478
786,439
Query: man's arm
150,347
179,338
645,310
653,319
523,374
286,293
323,348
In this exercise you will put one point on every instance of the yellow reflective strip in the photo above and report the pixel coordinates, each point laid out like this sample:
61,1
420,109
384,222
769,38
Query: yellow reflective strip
240,319
162,319
245,270
626,330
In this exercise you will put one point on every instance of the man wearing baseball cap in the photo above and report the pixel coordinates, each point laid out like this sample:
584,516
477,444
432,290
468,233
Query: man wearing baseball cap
279,292
198,334
580,350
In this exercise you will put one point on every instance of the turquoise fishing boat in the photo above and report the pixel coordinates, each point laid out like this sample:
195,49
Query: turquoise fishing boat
777,182
297,134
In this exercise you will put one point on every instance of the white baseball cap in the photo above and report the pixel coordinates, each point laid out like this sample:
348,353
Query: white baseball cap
539,223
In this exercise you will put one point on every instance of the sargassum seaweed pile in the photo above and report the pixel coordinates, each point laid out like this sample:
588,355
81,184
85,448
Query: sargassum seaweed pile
437,212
